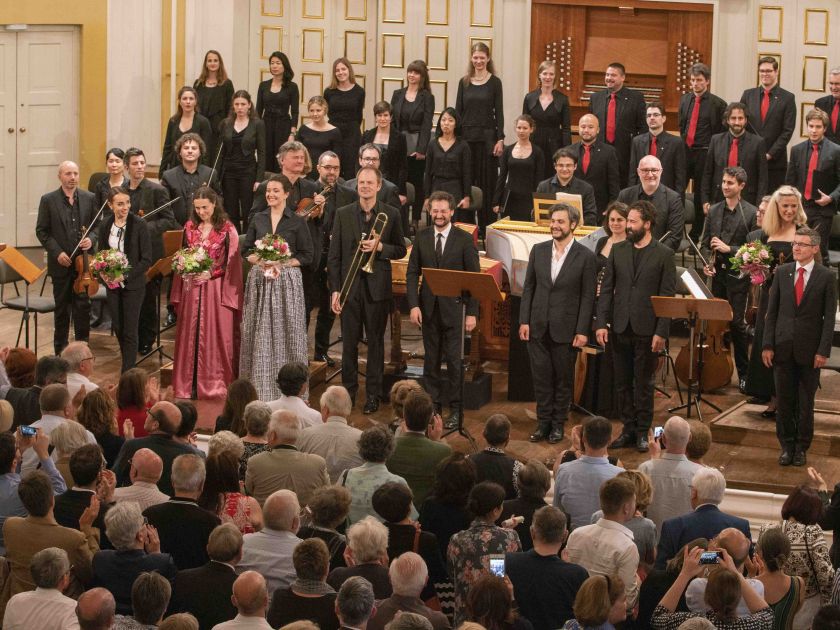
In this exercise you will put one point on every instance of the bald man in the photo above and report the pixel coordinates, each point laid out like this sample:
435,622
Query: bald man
250,596
63,215
597,163
95,609
144,471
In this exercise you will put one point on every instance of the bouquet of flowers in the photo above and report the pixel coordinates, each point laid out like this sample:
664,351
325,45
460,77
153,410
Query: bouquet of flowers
272,251
111,265
753,260
193,264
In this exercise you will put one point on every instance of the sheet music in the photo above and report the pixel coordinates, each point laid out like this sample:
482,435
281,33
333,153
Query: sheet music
695,285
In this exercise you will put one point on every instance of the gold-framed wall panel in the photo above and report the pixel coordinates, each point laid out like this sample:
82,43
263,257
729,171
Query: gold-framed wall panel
269,13
265,53
305,79
351,57
809,37
305,6
770,23
355,16
475,39
811,82
441,100
306,51
490,9
432,22
387,61
394,83
386,15
804,108
429,62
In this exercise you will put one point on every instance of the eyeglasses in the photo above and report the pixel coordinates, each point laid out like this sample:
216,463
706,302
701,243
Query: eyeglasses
90,358
650,171
370,160
801,244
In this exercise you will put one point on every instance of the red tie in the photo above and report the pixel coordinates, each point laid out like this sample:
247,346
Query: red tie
692,124
835,114
812,166
799,287
652,150
585,164
765,104
611,119
733,153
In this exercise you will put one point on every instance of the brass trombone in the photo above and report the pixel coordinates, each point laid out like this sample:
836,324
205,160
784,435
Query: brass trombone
363,260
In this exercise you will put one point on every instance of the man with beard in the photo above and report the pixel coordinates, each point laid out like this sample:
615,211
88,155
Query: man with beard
441,246
638,268
670,150
597,164
555,318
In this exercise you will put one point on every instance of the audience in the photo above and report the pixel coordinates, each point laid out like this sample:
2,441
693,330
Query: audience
80,362
398,395
20,367
65,440
782,592
241,393
309,596
186,428
87,466
45,608
532,484
409,575
658,581
183,526
7,416
333,439
366,556
600,603
490,603
144,472
492,464
827,618
256,417
221,494
134,391
136,550
95,610
26,400
355,603
699,443
544,585
293,381
413,621
179,621
250,596
205,591
98,414
327,510
150,595
444,512
283,466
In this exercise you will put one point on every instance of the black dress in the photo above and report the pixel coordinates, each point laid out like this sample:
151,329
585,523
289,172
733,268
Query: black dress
449,170
393,158
346,111
413,119
214,104
518,179
553,130
102,189
168,157
279,110
316,142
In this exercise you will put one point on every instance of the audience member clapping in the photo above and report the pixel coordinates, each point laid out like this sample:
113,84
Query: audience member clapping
366,556
355,603
256,417
490,603
293,381
600,603
45,608
444,512
532,484
327,511
240,393
409,576
134,393
221,494
87,466
95,610
65,440
150,595
98,414
783,593
144,472
80,361
333,439
492,464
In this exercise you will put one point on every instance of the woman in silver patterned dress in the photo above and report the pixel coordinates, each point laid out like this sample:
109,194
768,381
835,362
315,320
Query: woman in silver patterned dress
274,320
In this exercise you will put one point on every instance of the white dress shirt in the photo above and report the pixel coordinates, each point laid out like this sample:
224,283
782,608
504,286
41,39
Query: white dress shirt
144,493
558,258
47,423
75,382
43,608
269,552
808,269
240,622
306,415
444,234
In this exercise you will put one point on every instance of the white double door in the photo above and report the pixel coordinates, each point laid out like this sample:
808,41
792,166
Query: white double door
39,122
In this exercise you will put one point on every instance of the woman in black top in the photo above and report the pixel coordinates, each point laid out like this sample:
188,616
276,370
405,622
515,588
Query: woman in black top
448,165
186,120
346,99
481,115
277,105
550,110
412,109
522,165
317,135
243,133
391,145
215,97
115,167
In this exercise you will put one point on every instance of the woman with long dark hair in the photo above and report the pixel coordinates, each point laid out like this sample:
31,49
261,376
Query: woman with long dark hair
522,164
549,108
187,119
215,97
346,99
209,311
278,102
221,494
115,168
240,393
448,165
391,145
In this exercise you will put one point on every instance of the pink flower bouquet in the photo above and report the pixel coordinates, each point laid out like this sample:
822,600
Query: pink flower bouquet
753,260
111,265
193,264
272,252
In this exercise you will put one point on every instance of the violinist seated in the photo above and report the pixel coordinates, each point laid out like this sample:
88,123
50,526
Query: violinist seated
727,225
63,218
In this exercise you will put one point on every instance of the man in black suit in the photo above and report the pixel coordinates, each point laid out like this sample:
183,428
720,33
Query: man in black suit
735,147
772,114
329,168
638,268
597,164
621,114
90,478
63,215
727,226
555,318
565,181
701,117
670,212
181,181
814,170
797,342
830,104
370,155
441,246
369,295
670,150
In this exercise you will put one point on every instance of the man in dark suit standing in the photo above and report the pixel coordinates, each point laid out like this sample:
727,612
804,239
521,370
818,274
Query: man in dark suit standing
727,226
670,150
668,206
565,181
638,268
63,215
814,170
621,114
830,104
441,246
772,113
369,295
797,342
370,155
555,318
735,147
701,117
597,164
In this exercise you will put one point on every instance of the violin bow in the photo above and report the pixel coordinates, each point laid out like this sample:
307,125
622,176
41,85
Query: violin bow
697,251
87,231
215,163
159,208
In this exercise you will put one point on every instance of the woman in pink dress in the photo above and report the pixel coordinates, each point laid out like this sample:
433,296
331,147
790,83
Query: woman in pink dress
207,339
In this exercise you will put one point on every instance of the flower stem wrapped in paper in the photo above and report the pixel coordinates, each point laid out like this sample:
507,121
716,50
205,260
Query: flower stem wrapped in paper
112,266
753,260
193,264
272,253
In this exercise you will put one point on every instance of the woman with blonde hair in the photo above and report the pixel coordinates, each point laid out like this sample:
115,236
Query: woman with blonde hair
549,107
66,439
318,135
600,603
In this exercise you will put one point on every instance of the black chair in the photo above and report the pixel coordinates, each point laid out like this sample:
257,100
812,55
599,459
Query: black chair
25,303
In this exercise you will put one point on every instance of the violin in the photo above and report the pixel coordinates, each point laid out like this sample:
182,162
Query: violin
307,208
86,282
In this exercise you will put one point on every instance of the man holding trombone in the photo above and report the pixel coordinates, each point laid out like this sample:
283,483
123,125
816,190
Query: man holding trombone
366,236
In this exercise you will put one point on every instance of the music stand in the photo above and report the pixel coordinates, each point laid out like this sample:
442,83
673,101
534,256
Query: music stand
694,310
163,267
464,285
30,272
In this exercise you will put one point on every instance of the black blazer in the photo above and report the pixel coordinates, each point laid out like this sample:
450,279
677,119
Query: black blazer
797,333
711,114
137,247
147,196
69,507
531,104
459,254
563,307
778,127
670,150
626,290
175,182
253,139
576,186
826,177
389,194
421,118
201,126
117,570
630,110
670,212
394,167
345,239
744,225
205,593
751,157
53,227
602,174
184,529
291,227
826,103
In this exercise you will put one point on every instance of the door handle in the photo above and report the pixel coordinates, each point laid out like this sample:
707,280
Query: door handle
11,130
22,129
